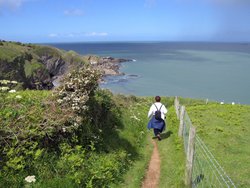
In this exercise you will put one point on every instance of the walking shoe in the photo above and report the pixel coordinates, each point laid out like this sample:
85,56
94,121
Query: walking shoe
159,137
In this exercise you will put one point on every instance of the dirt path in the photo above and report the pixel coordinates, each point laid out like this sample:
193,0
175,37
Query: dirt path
153,172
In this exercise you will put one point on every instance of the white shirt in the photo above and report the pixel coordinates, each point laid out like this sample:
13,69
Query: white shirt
153,109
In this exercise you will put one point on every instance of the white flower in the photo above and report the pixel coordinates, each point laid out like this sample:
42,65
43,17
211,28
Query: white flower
12,91
13,82
233,103
136,118
64,129
221,102
4,88
59,101
4,82
30,179
18,96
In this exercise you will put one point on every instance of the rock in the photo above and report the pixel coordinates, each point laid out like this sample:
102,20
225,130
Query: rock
107,65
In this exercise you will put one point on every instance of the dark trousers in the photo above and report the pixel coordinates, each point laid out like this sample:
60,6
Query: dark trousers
157,131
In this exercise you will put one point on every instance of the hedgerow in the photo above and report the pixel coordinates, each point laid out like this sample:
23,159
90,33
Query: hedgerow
58,138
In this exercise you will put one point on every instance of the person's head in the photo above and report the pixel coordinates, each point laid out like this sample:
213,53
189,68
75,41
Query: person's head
157,98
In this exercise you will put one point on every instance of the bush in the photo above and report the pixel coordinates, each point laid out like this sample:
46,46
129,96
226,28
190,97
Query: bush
78,88
69,137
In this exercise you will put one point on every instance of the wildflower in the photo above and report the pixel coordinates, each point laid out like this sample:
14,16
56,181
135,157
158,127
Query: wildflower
12,91
5,82
136,118
13,82
63,129
30,179
4,88
233,103
18,96
59,101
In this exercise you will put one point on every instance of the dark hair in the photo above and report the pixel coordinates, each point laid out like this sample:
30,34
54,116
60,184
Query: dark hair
157,98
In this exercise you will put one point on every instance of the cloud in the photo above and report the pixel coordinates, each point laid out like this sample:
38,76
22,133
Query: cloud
73,12
93,34
75,35
52,35
11,4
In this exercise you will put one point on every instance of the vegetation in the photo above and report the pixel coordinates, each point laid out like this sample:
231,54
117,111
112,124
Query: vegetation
225,130
34,66
82,136
43,138
172,154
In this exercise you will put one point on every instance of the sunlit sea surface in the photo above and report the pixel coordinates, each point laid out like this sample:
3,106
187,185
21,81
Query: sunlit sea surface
213,71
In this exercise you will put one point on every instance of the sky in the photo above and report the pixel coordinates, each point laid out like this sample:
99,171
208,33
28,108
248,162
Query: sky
44,21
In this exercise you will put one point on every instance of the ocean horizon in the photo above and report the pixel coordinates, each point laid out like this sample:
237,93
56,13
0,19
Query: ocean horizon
217,71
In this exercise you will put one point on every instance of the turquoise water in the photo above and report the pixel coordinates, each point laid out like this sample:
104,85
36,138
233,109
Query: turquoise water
214,71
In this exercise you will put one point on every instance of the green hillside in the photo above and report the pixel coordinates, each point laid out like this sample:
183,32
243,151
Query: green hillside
35,66
79,135
225,130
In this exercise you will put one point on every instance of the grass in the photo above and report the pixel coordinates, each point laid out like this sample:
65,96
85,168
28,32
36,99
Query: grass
135,120
171,154
124,146
225,130
170,148
31,66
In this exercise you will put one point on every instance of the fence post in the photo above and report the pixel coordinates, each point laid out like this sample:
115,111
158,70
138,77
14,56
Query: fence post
190,157
181,126
177,107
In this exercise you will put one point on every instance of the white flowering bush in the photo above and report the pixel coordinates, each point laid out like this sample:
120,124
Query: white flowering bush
7,85
77,88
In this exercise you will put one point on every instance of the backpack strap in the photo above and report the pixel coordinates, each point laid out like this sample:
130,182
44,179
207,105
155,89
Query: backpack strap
160,107
156,107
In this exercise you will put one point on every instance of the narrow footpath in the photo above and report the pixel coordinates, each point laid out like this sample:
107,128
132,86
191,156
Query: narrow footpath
153,172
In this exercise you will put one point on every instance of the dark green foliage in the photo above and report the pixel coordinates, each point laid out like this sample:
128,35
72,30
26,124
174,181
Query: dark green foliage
13,70
16,69
39,137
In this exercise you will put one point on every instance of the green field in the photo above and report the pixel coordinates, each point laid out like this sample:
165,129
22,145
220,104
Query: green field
225,130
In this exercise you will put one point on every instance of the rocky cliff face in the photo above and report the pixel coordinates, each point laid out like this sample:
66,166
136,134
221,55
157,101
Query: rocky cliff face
40,67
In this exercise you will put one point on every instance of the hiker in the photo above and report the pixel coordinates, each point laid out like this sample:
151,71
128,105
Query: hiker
157,114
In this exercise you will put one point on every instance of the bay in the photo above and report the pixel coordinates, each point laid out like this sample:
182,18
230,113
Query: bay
205,70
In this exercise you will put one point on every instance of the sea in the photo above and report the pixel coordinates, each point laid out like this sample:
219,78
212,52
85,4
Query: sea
205,70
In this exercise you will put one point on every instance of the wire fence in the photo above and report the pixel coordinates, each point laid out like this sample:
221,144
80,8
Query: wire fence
206,170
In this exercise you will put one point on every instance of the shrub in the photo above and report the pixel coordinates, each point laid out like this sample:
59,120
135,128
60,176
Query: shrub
78,88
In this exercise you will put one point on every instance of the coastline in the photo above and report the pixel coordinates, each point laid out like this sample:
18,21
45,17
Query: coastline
108,66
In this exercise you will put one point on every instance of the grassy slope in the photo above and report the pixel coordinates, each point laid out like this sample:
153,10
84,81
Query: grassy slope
172,154
131,137
225,130
170,148
135,120
10,50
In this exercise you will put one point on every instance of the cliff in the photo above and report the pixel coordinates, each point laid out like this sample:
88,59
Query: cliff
42,67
